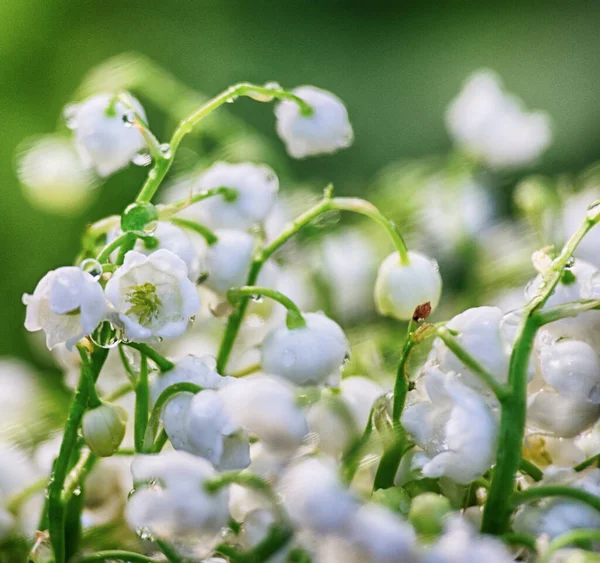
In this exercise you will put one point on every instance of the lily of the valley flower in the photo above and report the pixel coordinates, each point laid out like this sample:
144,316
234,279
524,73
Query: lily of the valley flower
67,304
103,429
104,136
325,130
228,260
152,295
255,186
401,288
305,355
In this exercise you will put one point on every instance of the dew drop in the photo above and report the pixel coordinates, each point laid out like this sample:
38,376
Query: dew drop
92,267
69,116
289,358
165,150
142,158
150,227
129,118
593,213
145,534
106,335
257,298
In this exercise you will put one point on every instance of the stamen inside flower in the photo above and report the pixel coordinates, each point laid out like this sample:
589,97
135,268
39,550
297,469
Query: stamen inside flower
145,302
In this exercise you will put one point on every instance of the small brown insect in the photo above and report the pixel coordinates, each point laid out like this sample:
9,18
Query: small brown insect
422,312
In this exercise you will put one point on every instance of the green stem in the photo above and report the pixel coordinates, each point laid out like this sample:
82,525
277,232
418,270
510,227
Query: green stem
497,511
161,362
209,236
535,493
139,123
587,463
121,240
401,383
571,309
530,469
94,399
169,552
115,554
160,442
78,474
390,460
351,459
168,393
569,538
167,211
56,508
520,539
501,391
248,370
294,315
142,403
119,392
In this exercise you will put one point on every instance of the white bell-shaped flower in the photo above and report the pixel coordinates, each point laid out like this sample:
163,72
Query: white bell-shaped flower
457,431
175,240
382,536
104,137
67,304
53,176
572,367
152,295
305,355
256,187
400,289
493,125
314,497
326,130
266,407
479,333
228,260
103,429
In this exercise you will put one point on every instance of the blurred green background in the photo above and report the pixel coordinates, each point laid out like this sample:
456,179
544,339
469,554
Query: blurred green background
395,67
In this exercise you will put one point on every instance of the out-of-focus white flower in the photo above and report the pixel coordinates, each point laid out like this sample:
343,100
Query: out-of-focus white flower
563,416
326,130
572,367
493,125
67,304
228,260
256,187
357,395
53,177
460,544
7,524
457,431
190,369
382,535
400,288
103,136
314,497
103,429
172,238
266,407
589,443
555,516
573,213
306,355
256,526
479,333
176,502
152,295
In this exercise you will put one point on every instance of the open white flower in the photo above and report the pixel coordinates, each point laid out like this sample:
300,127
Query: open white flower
266,407
103,137
306,355
53,176
493,125
314,497
228,260
175,502
256,187
326,130
457,430
152,295
400,289
67,304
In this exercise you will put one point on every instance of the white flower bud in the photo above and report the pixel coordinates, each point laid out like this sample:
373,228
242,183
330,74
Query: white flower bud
326,130
428,512
53,177
400,288
228,261
67,304
306,355
152,295
572,367
103,136
103,429
256,187
176,504
266,407
314,497
493,125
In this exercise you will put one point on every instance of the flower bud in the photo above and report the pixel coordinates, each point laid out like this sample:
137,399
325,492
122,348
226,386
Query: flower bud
427,513
103,429
228,261
400,288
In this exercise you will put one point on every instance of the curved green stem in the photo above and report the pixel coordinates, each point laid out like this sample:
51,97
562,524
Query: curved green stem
294,315
209,236
114,554
401,383
248,370
351,458
530,469
571,309
142,404
167,211
77,475
569,538
168,393
161,362
587,463
123,239
535,493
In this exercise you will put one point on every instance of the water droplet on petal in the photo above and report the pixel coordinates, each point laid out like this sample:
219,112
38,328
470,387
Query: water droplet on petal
106,335
92,267
165,150
142,158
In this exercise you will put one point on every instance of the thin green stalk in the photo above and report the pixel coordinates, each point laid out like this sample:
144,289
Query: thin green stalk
501,391
56,508
142,403
160,442
169,551
294,315
390,460
536,493
112,555
94,399
121,240
119,392
168,393
161,362
520,539
209,236
571,309
401,383
167,211
530,469
587,463
248,370
78,474
572,537
126,365
351,459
